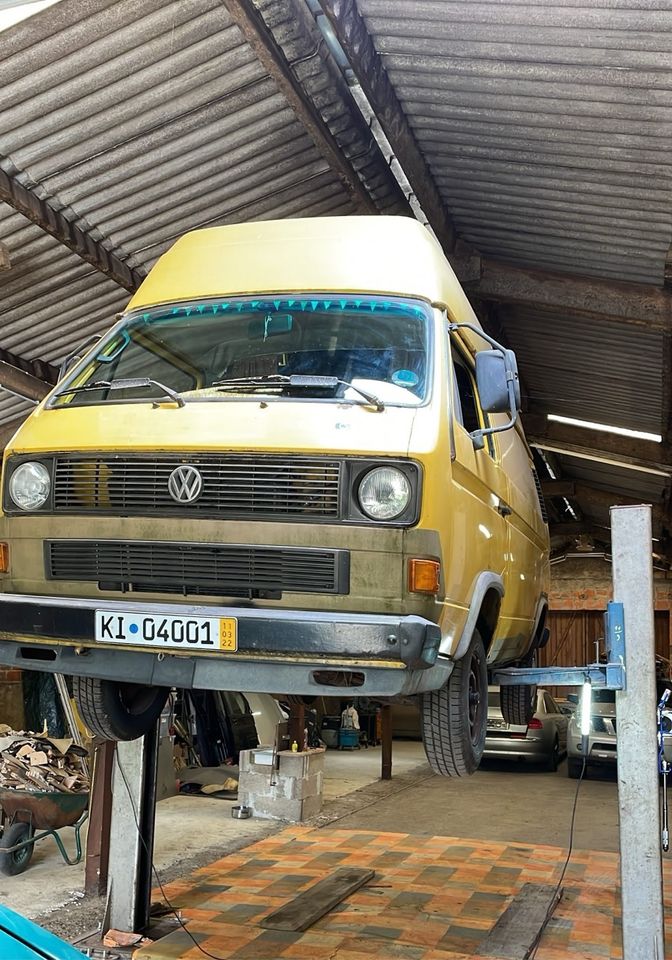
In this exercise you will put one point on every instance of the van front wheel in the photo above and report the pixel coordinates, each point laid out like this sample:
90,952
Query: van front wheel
118,711
454,718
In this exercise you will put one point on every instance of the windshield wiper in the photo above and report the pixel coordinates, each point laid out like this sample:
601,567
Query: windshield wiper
126,383
296,380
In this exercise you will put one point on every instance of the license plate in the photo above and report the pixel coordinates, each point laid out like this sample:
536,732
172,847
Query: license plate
497,725
176,633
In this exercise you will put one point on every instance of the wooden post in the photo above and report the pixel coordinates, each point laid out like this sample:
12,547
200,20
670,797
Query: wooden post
100,813
386,772
297,724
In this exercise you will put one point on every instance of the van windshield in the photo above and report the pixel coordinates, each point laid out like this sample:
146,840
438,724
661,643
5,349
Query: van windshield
197,349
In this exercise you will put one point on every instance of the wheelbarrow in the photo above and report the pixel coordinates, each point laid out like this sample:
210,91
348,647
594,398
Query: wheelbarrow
24,812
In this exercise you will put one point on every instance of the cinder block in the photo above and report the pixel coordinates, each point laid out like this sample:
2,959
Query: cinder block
292,764
276,809
310,807
256,783
308,787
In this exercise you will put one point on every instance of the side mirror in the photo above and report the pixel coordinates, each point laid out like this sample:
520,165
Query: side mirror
497,381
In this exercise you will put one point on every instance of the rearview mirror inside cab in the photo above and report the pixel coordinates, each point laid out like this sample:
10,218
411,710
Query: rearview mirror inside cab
495,370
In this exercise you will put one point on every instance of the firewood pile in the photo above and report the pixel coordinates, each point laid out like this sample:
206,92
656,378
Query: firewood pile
36,762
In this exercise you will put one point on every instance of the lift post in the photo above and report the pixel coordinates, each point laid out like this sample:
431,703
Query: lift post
132,832
630,671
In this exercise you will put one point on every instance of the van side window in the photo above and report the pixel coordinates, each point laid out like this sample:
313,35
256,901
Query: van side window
466,404
466,408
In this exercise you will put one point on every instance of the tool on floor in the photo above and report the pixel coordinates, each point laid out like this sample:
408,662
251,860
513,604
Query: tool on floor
664,766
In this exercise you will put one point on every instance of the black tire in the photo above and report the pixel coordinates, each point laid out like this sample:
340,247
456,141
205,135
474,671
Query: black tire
574,768
518,703
454,718
553,760
11,864
118,711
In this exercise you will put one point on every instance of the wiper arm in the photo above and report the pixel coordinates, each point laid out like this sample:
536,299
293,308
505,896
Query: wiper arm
297,380
126,383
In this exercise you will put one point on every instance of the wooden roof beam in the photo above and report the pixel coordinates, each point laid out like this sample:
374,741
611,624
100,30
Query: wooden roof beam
633,303
596,445
47,215
587,494
369,68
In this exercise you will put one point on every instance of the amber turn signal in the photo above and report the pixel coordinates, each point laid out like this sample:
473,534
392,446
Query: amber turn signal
4,558
424,576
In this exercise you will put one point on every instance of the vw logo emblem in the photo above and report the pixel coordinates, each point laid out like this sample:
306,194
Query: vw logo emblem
185,484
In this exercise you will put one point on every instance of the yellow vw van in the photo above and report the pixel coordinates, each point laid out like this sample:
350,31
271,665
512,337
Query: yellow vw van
294,465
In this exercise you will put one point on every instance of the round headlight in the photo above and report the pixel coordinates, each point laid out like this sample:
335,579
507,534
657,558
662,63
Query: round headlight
29,486
384,493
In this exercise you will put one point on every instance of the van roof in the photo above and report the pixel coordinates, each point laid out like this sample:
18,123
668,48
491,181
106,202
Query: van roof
368,254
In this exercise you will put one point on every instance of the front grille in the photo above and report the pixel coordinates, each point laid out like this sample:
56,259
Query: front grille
197,568
234,486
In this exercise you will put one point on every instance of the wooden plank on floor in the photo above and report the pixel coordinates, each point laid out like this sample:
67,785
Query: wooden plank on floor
515,933
308,907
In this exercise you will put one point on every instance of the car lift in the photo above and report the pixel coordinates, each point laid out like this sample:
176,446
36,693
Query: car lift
630,672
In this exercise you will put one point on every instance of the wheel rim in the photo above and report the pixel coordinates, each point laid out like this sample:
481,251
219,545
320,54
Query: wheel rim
475,697
20,856
136,698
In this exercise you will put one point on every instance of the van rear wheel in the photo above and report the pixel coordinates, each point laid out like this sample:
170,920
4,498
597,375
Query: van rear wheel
454,718
518,703
118,711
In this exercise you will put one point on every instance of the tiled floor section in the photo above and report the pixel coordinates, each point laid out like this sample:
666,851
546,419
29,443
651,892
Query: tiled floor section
431,899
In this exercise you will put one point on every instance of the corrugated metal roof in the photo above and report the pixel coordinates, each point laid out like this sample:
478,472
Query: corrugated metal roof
641,487
142,119
598,370
547,126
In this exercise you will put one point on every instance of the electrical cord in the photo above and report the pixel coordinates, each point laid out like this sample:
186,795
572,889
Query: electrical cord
206,953
557,893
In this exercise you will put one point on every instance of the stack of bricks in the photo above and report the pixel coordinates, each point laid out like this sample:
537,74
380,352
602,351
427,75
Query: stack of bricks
289,790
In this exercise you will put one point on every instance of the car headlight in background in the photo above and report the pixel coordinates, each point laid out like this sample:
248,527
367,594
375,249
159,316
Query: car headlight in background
384,493
29,486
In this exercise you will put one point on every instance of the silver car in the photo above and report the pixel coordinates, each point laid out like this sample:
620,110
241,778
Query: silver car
543,740
601,750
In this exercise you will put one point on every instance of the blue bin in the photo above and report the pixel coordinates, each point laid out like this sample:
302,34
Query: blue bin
348,738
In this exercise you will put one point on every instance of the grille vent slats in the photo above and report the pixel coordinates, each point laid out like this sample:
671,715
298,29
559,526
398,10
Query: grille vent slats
214,569
235,486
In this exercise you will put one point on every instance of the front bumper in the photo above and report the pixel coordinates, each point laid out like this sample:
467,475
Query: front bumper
279,651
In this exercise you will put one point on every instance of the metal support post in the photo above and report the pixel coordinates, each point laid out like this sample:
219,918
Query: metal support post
386,771
639,815
132,832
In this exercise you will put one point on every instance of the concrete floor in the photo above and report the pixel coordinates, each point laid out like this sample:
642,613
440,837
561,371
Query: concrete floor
189,828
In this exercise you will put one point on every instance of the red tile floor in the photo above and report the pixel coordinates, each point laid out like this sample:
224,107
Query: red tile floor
431,899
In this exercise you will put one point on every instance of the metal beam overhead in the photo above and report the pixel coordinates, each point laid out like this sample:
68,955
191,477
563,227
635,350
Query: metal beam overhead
368,66
43,213
634,303
256,33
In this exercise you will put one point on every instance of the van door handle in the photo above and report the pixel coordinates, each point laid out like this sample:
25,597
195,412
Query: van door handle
504,509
